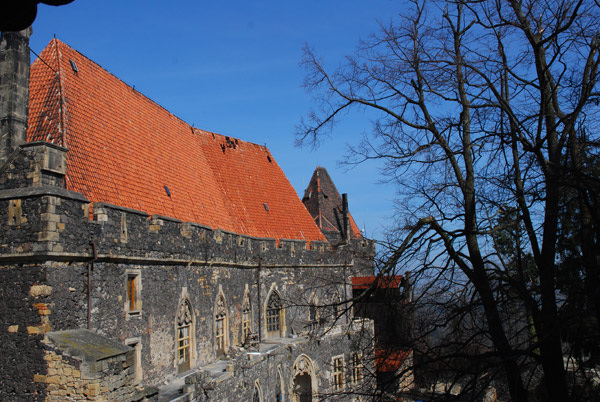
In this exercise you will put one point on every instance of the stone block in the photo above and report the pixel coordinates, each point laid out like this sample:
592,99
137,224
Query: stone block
39,378
93,389
40,290
48,236
50,217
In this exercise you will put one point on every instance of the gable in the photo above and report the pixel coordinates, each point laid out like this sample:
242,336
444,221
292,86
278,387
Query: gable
324,203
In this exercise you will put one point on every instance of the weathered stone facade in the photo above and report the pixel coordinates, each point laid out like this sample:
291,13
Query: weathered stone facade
103,302
50,238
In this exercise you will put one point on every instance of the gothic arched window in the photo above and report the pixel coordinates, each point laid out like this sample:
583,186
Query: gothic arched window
221,326
184,336
257,394
246,317
274,315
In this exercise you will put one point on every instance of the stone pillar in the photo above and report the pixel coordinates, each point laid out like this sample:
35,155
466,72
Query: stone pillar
14,90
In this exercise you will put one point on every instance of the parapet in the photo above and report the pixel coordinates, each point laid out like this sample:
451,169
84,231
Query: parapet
53,223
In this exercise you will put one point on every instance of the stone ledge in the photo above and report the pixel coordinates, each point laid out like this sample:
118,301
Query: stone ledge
61,256
166,218
86,345
118,208
48,144
25,192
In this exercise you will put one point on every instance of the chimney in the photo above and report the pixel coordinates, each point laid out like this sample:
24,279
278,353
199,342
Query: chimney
14,90
346,222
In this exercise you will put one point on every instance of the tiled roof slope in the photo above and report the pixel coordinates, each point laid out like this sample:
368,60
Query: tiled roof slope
324,203
124,149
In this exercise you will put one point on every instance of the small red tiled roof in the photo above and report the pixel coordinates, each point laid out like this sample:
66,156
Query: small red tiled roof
390,360
324,203
126,150
382,282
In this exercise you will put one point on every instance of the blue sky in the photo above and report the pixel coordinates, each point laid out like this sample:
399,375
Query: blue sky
233,68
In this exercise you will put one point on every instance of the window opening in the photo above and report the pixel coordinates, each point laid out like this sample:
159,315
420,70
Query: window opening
356,369
256,396
131,291
274,307
278,390
312,316
221,326
246,329
338,373
184,324
220,334
312,313
133,303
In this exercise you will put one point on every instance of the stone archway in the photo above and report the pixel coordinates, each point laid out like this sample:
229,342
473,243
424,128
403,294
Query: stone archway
302,388
304,384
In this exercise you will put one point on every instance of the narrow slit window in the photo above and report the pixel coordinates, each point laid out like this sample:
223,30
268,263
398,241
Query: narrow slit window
133,288
131,292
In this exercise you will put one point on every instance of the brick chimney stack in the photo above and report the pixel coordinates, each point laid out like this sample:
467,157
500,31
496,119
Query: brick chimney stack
14,90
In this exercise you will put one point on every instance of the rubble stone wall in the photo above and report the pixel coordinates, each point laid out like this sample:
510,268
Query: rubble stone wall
50,238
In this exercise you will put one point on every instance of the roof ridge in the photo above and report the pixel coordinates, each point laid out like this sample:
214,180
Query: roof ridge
62,129
129,85
192,127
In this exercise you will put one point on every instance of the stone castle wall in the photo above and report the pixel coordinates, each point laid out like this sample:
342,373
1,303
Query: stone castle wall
50,237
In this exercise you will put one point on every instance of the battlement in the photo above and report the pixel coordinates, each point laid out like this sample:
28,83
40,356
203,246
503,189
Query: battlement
46,221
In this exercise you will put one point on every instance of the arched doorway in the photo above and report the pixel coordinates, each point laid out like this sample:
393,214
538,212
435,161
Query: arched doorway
302,388
304,384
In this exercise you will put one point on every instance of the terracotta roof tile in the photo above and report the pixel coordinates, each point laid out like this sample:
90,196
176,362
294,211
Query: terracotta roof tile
390,360
124,149
380,282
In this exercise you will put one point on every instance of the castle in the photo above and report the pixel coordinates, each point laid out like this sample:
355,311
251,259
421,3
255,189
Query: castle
144,259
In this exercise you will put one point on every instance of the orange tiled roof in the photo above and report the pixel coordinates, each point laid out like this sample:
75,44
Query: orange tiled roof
390,360
124,149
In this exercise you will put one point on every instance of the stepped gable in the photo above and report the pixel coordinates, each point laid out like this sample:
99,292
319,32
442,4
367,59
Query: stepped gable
324,203
126,150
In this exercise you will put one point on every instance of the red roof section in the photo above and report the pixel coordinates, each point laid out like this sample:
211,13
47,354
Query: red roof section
390,360
124,149
382,282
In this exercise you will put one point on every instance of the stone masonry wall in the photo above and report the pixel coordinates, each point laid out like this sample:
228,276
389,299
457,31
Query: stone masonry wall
21,332
276,370
68,379
49,237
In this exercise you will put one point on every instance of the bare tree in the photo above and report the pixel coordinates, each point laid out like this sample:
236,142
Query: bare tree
481,106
